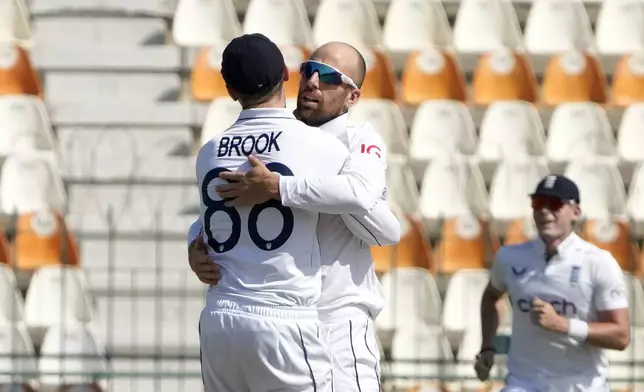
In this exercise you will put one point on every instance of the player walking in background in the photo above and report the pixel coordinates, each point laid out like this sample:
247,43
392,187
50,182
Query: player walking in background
259,330
351,294
568,297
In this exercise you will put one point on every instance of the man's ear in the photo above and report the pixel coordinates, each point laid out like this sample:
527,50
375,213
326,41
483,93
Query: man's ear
354,97
232,93
285,73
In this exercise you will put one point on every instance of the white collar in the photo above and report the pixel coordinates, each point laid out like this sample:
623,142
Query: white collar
249,114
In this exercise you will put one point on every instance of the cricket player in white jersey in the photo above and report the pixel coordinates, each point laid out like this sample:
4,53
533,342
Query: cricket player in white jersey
259,330
351,295
568,298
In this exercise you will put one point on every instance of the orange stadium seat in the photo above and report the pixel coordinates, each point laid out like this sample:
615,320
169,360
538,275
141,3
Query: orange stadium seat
503,76
206,80
628,80
17,75
413,250
380,79
42,239
293,57
432,74
573,77
519,230
613,236
466,243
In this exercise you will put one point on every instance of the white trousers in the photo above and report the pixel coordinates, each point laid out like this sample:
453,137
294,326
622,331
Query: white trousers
356,356
262,349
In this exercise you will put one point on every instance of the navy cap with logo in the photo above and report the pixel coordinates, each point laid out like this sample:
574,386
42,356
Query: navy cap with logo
252,64
561,187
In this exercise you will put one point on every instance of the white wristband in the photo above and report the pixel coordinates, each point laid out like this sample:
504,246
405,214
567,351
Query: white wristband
578,330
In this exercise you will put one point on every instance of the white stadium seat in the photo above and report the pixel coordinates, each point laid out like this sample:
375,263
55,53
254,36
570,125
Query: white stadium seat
126,114
165,325
222,113
57,295
630,136
423,343
31,181
624,365
513,181
386,118
107,33
459,311
187,371
122,153
635,203
352,21
452,186
467,351
12,307
412,25
486,25
293,27
205,23
439,128
71,354
411,298
555,26
509,129
578,129
620,27
635,297
25,125
163,8
401,186
15,340
14,22
600,185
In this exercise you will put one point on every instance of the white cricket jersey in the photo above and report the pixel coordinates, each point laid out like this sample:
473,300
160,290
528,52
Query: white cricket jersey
579,281
269,254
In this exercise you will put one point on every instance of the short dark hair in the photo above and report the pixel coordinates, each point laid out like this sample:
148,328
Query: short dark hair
252,100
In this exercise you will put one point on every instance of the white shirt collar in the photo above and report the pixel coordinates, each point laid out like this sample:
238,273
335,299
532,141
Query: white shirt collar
249,114
337,125
566,246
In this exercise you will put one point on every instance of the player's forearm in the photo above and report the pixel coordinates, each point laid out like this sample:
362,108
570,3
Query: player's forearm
347,193
489,319
607,335
379,228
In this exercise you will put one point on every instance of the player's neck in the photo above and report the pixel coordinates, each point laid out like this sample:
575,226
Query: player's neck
553,243
275,102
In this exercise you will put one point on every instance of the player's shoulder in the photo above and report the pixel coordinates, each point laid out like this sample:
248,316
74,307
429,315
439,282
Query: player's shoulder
363,132
317,136
520,253
595,255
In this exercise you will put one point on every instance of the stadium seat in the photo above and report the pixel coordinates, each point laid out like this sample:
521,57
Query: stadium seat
629,135
426,344
520,230
414,25
486,25
460,311
635,202
509,129
380,80
619,27
624,365
440,127
468,349
72,355
577,130
165,325
352,21
294,56
432,74
401,186
413,250
628,80
613,235
12,307
554,27
25,125
31,181
57,295
503,76
600,184
14,22
573,77
467,242
136,208
123,153
187,371
514,179
293,27
17,76
206,82
222,113
635,299
98,33
386,118
42,238
200,23
146,7
17,356
452,186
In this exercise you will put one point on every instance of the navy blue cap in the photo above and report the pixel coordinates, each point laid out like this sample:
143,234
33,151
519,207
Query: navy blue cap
557,186
251,64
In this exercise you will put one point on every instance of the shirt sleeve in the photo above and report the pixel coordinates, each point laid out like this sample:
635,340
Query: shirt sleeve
379,228
610,286
355,190
497,273
194,230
